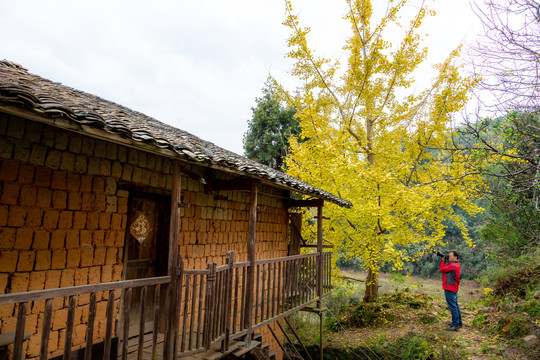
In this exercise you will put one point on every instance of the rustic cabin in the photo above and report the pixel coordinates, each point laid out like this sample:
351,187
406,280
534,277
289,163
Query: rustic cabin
124,237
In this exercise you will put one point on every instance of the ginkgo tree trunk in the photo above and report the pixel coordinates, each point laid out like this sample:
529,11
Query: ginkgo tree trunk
369,137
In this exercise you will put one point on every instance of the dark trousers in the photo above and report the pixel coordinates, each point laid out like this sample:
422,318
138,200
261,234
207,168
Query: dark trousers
453,306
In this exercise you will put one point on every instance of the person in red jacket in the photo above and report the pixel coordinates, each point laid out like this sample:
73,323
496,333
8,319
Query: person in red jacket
450,278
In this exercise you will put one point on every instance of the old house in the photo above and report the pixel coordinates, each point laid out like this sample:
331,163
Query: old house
123,236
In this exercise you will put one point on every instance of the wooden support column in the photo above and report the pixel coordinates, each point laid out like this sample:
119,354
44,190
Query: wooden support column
252,229
172,321
320,274
320,256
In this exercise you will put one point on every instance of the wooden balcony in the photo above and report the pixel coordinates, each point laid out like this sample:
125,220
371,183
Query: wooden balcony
194,311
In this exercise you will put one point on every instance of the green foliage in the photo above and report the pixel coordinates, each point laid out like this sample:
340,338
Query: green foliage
513,326
267,138
381,311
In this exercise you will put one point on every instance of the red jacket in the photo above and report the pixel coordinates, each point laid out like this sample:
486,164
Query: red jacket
450,277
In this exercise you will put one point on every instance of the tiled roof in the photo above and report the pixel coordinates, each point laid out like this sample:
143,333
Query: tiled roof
18,86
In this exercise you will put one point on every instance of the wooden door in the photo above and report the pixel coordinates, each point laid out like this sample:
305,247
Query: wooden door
146,248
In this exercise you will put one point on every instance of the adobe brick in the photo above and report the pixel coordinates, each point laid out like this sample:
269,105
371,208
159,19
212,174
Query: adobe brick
58,180
61,141
81,276
120,238
93,166
41,239
87,256
100,148
100,203
73,182
3,283
106,273
9,170
127,172
53,159
116,222
37,281
58,238
81,164
59,199
4,212
112,202
6,147
9,324
116,169
145,176
26,261
67,278
117,272
79,220
75,144
99,256
8,260
15,128
59,319
86,238
104,167
43,177
74,201
136,177
34,217
33,346
43,260
19,282
68,161
44,197
110,257
94,275
86,183
10,193
73,258
98,238
104,220
87,146
58,260
122,205
79,334
52,279
87,203
23,240
110,238
27,195
66,220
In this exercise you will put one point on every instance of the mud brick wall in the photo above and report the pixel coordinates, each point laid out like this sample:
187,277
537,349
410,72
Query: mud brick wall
63,219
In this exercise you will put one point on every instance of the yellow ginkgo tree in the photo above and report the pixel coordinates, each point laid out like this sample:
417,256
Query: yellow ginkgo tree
369,137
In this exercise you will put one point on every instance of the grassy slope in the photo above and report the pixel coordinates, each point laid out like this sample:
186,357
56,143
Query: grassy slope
408,323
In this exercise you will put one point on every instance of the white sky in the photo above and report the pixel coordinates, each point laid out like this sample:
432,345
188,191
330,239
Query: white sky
197,65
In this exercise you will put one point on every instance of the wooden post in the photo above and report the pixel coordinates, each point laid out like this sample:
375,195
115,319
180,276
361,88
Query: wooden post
228,302
252,229
319,256
209,306
320,274
172,325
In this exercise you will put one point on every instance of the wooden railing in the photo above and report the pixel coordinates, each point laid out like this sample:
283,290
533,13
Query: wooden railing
211,307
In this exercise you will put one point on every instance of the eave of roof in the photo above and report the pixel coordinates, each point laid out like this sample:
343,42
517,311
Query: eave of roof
18,86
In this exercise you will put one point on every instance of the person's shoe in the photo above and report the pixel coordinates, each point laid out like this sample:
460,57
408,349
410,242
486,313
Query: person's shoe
450,324
452,328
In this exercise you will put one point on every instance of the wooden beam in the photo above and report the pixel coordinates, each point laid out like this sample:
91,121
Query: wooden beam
176,198
251,258
304,203
238,185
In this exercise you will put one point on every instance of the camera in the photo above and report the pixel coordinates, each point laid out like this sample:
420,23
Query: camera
443,256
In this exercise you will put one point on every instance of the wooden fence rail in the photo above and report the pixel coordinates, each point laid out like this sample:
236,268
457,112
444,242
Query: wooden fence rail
211,303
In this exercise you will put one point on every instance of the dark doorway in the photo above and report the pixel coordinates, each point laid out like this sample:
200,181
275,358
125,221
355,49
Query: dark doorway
147,247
